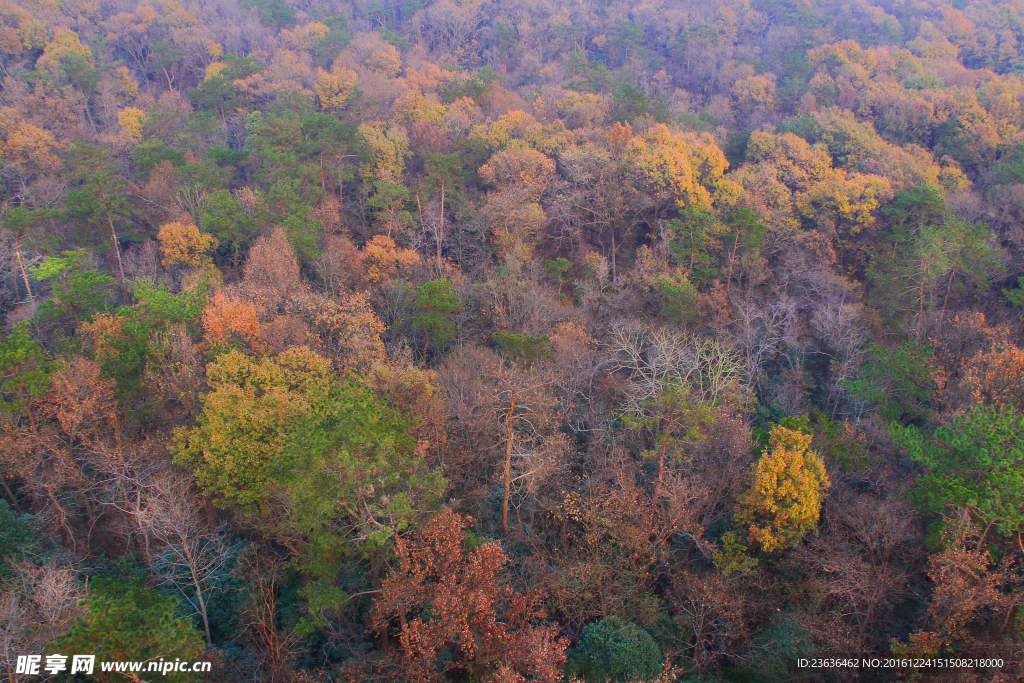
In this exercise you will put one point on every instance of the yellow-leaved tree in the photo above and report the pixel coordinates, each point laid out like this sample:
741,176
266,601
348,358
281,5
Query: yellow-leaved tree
132,119
335,88
789,487
253,408
182,244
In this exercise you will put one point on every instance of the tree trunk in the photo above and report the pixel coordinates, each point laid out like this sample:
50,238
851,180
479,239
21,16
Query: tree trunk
170,79
376,582
199,592
419,210
920,305
508,466
614,273
945,302
10,494
117,249
21,265
439,232
426,345
732,262
661,464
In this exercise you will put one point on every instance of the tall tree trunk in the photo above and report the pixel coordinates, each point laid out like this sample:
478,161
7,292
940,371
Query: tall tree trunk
661,463
439,232
945,302
732,262
426,345
21,265
614,273
199,591
117,248
920,305
508,466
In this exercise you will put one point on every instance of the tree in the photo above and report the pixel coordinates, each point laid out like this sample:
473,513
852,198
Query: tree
15,539
975,463
335,88
38,603
56,446
976,598
614,650
784,502
640,530
292,145
661,359
557,269
693,237
688,166
924,243
129,622
513,210
128,342
260,617
350,477
747,233
709,612
67,53
99,195
603,195
24,370
455,614
132,119
866,561
20,222
435,304
996,376
79,291
681,303
1015,297
253,409
183,245
674,418
232,218
383,152
182,551
899,380
384,260
218,90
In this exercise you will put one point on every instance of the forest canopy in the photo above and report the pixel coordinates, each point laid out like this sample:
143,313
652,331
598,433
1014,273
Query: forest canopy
490,340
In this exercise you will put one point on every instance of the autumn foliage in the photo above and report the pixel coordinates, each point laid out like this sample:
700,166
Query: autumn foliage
785,500
455,610
182,244
445,340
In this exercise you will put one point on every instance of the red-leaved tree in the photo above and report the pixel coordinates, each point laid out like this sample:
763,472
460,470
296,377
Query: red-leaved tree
453,606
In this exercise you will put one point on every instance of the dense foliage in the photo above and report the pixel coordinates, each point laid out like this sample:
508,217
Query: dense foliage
491,340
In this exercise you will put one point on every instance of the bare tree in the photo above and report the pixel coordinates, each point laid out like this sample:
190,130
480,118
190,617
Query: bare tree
660,358
601,196
760,331
866,559
277,648
446,26
504,416
184,552
707,605
37,605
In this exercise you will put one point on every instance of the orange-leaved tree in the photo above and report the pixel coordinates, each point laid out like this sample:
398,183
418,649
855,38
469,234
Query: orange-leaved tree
229,323
182,244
